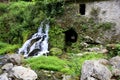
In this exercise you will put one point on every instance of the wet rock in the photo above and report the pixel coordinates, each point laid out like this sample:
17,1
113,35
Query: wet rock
7,67
93,70
23,73
16,59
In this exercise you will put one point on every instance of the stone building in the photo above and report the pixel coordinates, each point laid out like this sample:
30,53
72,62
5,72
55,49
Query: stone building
101,11
106,11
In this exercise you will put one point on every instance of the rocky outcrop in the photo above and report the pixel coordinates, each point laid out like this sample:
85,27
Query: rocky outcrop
101,69
93,70
13,70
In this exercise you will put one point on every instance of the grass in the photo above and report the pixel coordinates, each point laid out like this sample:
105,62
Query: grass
47,63
70,66
7,48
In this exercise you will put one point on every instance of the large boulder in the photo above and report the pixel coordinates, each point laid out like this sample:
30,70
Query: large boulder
93,70
7,67
23,73
16,59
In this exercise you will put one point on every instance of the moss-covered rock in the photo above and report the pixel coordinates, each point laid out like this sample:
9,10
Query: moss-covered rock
55,51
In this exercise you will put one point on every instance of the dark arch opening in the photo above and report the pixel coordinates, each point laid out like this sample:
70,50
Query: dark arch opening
82,9
70,37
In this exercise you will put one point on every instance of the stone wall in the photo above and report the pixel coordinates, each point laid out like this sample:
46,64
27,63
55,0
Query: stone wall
108,11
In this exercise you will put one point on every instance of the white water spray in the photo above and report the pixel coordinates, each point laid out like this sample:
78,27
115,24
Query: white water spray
38,44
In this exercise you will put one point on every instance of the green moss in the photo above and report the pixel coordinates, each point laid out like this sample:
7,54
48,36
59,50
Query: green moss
55,51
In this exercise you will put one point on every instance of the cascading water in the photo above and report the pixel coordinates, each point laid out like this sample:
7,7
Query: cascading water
38,44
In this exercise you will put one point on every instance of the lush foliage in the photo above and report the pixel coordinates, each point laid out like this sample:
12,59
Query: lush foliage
18,18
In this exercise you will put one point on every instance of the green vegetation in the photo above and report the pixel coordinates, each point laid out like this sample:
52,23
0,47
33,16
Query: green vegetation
47,63
55,51
71,66
56,36
7,48
76,62
114,50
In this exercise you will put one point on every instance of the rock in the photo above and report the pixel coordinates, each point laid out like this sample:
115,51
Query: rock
16,59
90,40
115,62
94,49
104,62
93,70
97,49
84,45
116,72
66,77
7,67
91,78
4,76
23,73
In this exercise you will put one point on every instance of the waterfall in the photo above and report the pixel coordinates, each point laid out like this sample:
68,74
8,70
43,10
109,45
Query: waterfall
38,44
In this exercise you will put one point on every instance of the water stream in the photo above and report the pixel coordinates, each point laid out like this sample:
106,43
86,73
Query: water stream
37,45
